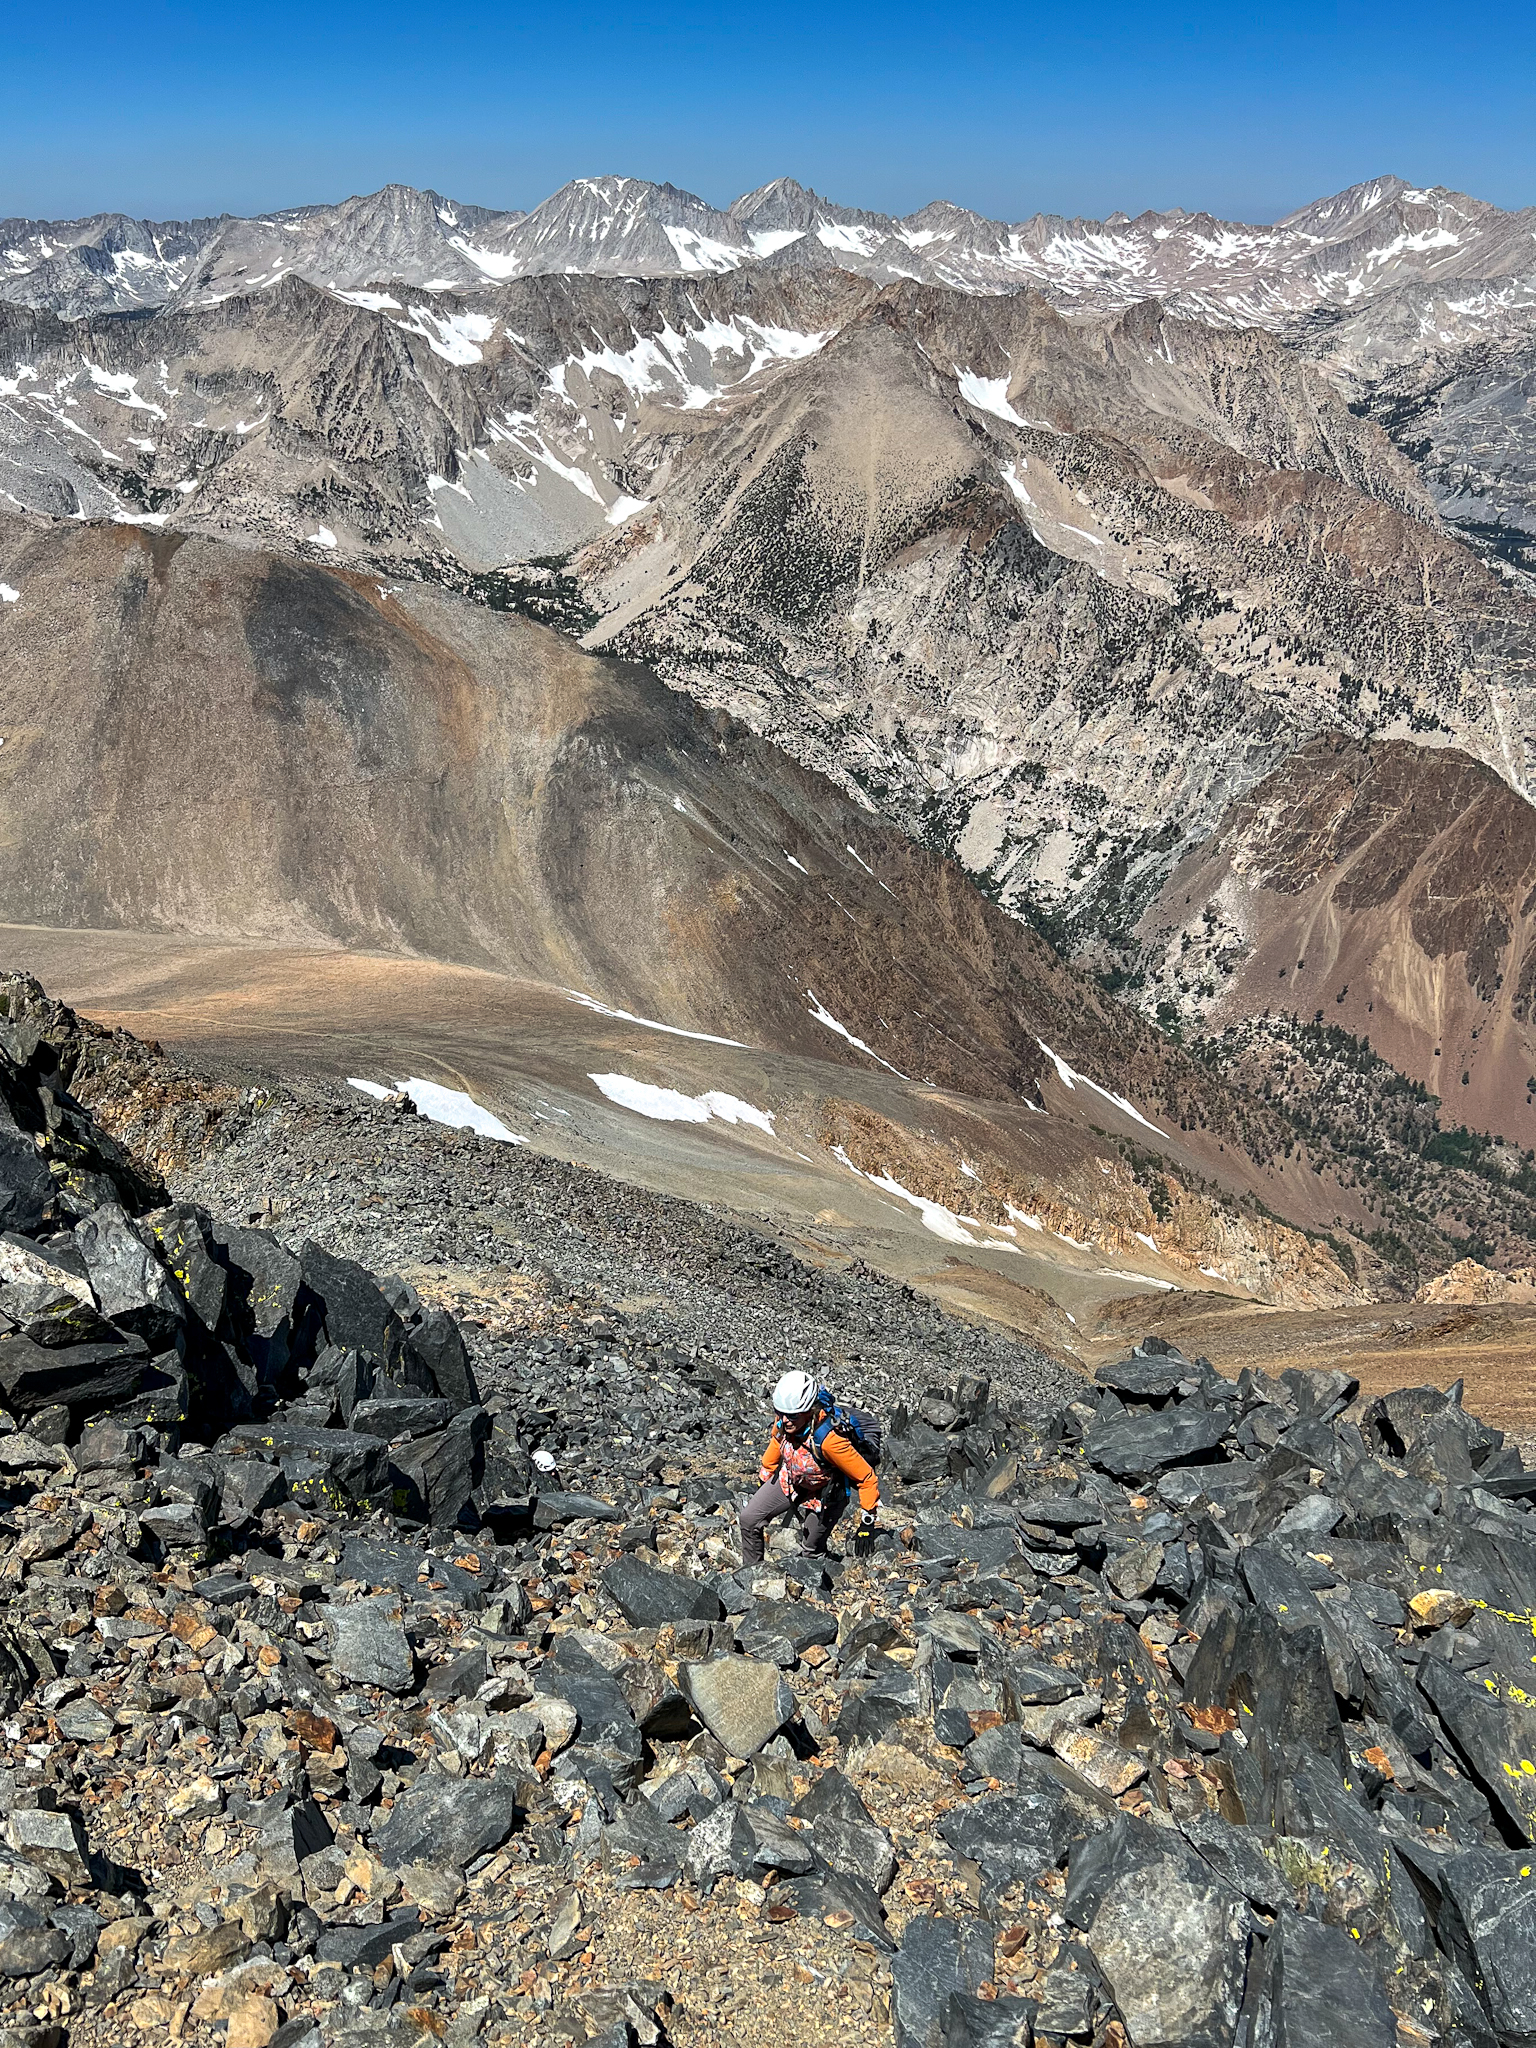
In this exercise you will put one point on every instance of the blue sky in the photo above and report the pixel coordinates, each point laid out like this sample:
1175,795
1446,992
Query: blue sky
171,110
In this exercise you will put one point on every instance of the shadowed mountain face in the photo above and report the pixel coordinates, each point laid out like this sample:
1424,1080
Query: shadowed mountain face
223,742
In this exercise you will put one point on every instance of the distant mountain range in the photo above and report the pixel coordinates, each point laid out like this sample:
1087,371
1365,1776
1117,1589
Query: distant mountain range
1332,253
1174,576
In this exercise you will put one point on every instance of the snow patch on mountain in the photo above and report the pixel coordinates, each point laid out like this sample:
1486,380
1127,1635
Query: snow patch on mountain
1071,1078
696,252
456,337
669,1105
681,367
935,1217
440,1105
120,385
824,1016
646,1023
989,394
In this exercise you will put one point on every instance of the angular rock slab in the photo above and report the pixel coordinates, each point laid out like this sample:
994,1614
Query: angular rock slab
649,1598
1324,1990
369,1645
1496,1738
1013,1837
1137,1446
54,1843
447,1821
1491,1923
1170,1949
26,1185
741,1702
937,1960
85,1376
846,1834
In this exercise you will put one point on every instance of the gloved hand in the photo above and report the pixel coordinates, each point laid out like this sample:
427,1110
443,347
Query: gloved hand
864,1537
763,1475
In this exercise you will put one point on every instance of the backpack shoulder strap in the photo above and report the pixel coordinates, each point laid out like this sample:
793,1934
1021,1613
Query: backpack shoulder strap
835,1418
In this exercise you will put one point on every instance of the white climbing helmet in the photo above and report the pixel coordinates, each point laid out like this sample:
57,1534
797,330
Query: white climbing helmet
795,1394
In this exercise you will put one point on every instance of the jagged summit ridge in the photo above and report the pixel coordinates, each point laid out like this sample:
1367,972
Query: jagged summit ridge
1334,252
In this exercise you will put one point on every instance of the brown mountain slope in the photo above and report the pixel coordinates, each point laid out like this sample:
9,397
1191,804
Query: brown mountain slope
1390,888
212,740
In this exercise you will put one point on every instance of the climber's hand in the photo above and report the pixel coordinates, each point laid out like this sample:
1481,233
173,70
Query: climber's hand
864,1537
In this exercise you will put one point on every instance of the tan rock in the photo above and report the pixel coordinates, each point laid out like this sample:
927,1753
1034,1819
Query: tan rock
438,1891
124,1933
1100,1760
1438,1605
156,2011
252,2023
893,1764
261,1977
199,1798
370,1876
1469,1282
1042,1725
214,1948
262,1914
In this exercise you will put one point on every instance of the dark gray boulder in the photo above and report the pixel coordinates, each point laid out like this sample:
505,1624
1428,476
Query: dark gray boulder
1141,1377
845,1833
1491,1736
1139,1446
650,1598
937,1959
434,1478
1325,1991
267,1309
1012,1836
369,1645
411,1415
640,1851
1489,1922
85,1377
991,2022
336,1467
364,1948
1166,1934
131,1286
379,1563
180,1231
552,1510
354,1310
436,1347
26,1185
447,1822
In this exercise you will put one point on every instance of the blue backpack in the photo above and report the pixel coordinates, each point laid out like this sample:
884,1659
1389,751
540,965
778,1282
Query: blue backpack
862,1429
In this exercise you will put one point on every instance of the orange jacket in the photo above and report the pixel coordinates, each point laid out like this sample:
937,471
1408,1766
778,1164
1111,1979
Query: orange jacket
838,1452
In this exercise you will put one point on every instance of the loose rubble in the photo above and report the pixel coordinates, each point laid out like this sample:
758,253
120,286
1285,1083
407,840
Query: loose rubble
370,1681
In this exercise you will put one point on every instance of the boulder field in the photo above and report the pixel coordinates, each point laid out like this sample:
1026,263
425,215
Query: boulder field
370,1677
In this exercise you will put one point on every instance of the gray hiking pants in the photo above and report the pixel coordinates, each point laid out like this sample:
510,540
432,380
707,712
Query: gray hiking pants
821,1518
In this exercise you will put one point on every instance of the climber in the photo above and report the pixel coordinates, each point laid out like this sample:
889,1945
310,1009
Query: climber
817,1451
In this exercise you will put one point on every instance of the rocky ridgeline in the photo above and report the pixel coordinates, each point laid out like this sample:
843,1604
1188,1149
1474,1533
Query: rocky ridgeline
368,1682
